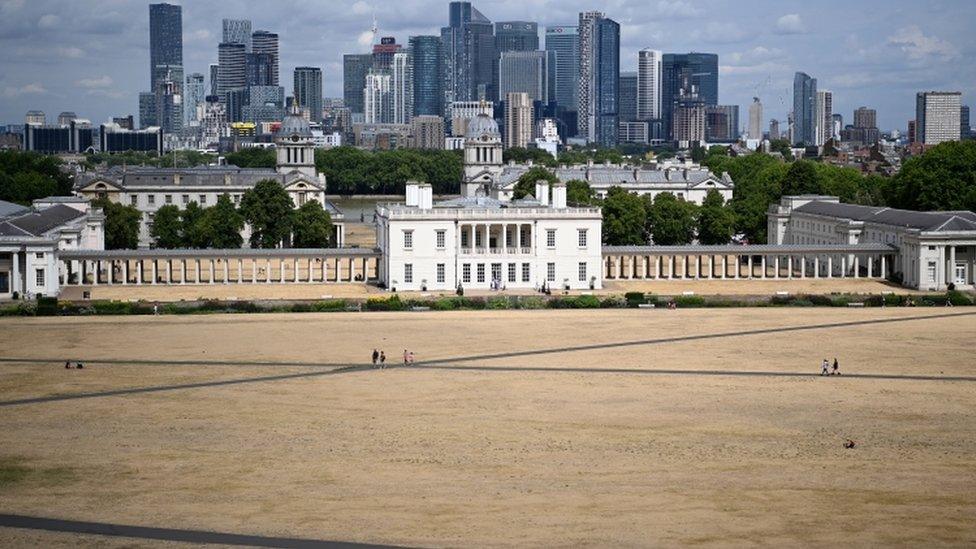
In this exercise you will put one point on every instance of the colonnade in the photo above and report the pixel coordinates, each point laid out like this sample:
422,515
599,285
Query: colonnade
510,238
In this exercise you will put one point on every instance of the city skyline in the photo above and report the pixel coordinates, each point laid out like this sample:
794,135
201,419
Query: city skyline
94,63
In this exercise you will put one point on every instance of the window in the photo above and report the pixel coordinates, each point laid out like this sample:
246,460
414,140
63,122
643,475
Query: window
512,274
464,239
551,238
526,272
301,198
440,239
931,270
185,199
133,200
440,273
466,273
168,198
203,199
481,272
408,240
551,272
152,200
582,237
582,271
39,278
39,255
408,273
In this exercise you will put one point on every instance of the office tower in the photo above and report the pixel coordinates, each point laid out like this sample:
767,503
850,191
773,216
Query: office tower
194,93
524,71
235,99
912,131
308,90
232,67
165,39
563,44
401,83
865,128
774,129
427,131
937,116
518,120
214,75
837,125
823,118
649,84
66,117
147,110
427,75
689,120
516,36
469,51
169,103
355,66
721,123
35,117
599,93
259,68
263,104
267,42
384,51
804,109
755,119
378,97
679,73
628,97
124,122
965,130
238,31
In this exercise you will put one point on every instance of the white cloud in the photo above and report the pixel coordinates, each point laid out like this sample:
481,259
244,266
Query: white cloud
361,8
34,88
790,23
720,33
365,38
676,9
100,82
71,52
49,21
913,42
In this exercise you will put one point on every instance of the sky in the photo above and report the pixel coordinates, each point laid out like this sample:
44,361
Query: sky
92,56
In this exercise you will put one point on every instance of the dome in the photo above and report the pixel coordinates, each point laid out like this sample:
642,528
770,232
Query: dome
482,126
294,125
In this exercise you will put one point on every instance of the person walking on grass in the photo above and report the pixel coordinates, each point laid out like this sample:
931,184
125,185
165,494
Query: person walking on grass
824,368
376,356
406,357
836,367
410,356
382,359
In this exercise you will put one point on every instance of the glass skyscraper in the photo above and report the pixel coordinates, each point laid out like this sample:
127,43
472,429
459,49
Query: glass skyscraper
469,53
628,96
516,36
562,44
427,75
165,40
355,67
267,42
804,109
308,90
692,70
237,31
599,79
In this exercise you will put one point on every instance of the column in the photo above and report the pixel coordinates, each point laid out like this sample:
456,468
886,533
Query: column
950,272
857,268
196,271
109,273
762,261
725,266
789,266
830,266
816,267
212,269
139,272
698,259
803,266
737,266
295,265
267,272
325,269
226,271
154,275
505,237
281,270
751,272
352,269
870,266
884,270
15,283
620,267
843,266
776,267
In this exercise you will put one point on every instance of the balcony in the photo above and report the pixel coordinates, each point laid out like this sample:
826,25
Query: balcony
495,251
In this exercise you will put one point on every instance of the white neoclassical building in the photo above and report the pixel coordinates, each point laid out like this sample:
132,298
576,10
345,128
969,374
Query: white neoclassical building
32,238
482,242
929,250
148,189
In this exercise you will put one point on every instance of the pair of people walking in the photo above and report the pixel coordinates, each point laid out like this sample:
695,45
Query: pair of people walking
825,368
379,358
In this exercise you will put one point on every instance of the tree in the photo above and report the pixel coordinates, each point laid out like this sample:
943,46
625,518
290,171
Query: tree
121,225
522,155
195,234
313,226
579,193
167,228
623,218
526,184
802,178
223,224
670,220
25,176
253,158
269,211
716,222
943,178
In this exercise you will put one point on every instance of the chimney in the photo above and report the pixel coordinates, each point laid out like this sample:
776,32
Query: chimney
559,195
542,192
413,193
425,196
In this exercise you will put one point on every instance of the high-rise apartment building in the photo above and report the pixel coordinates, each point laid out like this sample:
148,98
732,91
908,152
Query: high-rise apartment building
824,118
237,31
165,40
308,90
563,44
755,119
169,103
774,129
214,75
378,97
427,76
865,128
599,93
355,66
469,53
804,109
937,117
965,130
682,72
267,42
194,93
384,51
401,83
518,120
427,131
649,84
628,96
231,67
258,67
865,118
721,123
524,71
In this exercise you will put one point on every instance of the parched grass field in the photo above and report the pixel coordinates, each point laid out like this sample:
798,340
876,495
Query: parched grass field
515,428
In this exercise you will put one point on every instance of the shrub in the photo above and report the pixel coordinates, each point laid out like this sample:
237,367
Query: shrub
47,306
243,307
329,306
691,301
379,304
958,298
616,302
112,307
532,302
497,303
446,304
635,298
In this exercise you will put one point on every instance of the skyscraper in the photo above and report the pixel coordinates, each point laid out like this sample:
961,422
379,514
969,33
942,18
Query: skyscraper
427,75
628,96
378,97
194,93
267,42
865,128
756,119
518,120
260,69
649,84
937,116
824,119
523,71
231,67
516,36
721,123
383,52
865,118
214,76
804,109
402,87
238,31
965,130
147,110
469,51
355,66
308,90
169,103
165,40
682,72
774,129
563,43
599,77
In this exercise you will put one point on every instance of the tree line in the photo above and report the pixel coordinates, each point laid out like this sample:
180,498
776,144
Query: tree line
26,176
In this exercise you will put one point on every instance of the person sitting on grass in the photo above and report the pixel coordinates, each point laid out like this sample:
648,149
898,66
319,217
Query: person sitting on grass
850,444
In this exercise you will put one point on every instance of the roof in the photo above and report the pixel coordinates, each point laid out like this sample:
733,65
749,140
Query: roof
923,221
487,203
201,176
39,223
482,125
8,209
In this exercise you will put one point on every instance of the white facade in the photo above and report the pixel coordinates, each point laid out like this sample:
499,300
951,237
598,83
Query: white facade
378,98
824,117
401,84
755,119
937,117
649,84
485,243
